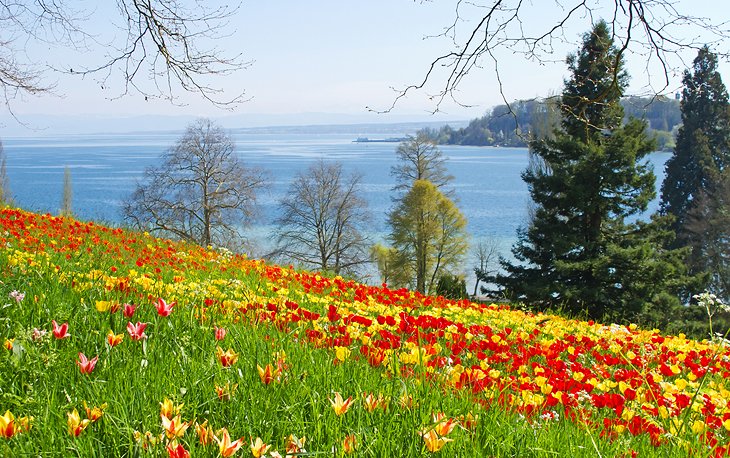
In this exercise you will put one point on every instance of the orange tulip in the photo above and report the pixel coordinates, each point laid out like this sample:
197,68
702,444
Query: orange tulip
177,451
268,374
226,391
228,448
468,421
349,443
258,448
168,409
205,433
174,428
433,441
227,358
444,425
114,339
295,445
95,413
371,402
339,405
7,425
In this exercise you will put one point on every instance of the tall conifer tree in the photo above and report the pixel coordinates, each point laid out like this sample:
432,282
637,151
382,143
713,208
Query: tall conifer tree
696,183
578,252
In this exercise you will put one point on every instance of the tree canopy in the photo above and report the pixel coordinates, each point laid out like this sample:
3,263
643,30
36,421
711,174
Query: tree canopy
419,159
695,190
703,140
428,233
515,124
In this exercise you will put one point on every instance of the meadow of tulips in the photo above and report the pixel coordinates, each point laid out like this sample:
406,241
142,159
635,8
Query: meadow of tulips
122,344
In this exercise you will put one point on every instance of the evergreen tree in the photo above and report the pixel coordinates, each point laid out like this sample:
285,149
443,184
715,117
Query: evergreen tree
695,171
708,226
578,252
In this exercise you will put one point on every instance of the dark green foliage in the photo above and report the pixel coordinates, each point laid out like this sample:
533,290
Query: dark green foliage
708,231
579,253
695,188
590,101
451,286
702,141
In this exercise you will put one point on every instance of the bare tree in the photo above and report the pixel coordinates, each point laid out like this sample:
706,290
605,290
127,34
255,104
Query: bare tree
420,159
159,47
487,257
482,31
201,192
322,220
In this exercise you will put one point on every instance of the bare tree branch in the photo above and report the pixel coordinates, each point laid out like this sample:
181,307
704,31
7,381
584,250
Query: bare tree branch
166,48
656,29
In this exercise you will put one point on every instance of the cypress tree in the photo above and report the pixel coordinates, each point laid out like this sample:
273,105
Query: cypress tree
578,252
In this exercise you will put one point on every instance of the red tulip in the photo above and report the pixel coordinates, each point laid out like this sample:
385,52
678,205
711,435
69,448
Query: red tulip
163,308
177,452
220,333
136,331
86,365
60,332
128,310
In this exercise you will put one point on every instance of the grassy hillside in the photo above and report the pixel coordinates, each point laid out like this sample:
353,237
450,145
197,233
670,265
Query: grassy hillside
198,349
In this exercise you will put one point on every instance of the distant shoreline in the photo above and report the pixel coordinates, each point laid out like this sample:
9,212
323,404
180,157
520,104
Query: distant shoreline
380,140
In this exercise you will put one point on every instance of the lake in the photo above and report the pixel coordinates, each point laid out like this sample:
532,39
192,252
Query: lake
105,169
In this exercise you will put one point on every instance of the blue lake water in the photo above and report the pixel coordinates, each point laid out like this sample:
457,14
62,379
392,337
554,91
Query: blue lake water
105,170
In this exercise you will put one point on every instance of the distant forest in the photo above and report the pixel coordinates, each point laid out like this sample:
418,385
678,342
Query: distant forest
514,125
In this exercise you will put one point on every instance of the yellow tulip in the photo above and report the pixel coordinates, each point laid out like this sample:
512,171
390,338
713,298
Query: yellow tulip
433,441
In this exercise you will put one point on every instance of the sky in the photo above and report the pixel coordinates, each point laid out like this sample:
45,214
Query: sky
341,57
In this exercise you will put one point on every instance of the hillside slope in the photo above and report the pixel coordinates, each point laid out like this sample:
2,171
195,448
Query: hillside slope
191,340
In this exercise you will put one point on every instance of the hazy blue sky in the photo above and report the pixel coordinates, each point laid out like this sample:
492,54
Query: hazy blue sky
340,56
